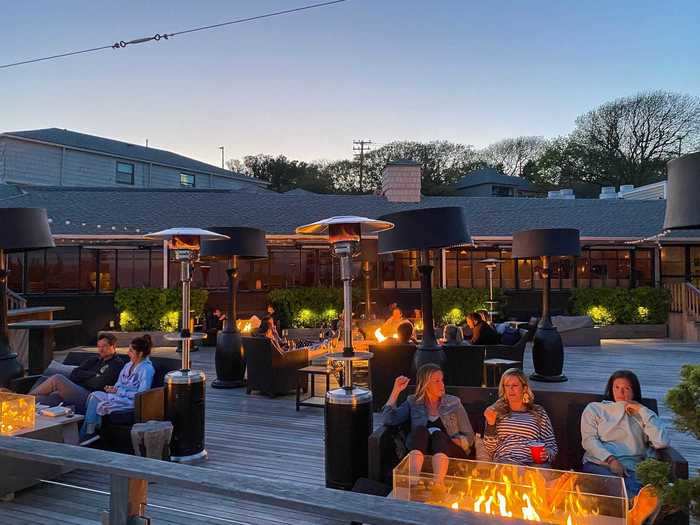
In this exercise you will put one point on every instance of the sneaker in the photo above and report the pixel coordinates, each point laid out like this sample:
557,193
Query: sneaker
89,440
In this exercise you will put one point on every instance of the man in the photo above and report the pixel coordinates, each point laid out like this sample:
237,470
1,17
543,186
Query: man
95,373
482,333
390,326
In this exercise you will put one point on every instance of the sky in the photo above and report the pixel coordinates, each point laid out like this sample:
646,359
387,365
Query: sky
307,84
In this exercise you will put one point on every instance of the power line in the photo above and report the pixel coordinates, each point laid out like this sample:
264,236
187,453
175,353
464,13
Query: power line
358,146
165,36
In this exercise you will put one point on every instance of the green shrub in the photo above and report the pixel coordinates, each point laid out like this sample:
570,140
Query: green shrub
308,307
451,305
154,308
622,305
684,400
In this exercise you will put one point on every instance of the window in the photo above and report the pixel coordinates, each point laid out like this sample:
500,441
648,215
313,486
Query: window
125,173
501,191
186,180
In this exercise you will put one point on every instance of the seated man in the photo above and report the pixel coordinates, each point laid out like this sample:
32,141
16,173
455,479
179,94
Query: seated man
267,329
405,332
452,335
482,333
390,326
94,374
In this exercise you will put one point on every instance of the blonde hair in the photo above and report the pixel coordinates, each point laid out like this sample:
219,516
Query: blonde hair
528,394
423,376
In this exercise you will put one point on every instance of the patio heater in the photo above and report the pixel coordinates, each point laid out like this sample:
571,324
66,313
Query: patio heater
423,230
184,388
368,254
348,410
23,229
682,210
491,265
242,243
547,347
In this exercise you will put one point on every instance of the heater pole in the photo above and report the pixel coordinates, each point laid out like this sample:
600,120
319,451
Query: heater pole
186,278
426,270
546,320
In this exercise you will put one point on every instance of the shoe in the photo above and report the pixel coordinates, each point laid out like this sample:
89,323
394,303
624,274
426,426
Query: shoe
645,508
89,440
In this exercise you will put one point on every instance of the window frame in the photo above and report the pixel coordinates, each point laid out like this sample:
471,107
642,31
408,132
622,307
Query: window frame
122,173
185,185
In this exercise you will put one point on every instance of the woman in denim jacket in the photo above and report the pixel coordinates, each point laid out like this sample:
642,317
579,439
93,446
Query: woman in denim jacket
439,423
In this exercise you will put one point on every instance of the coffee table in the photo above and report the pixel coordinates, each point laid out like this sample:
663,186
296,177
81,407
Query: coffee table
18,475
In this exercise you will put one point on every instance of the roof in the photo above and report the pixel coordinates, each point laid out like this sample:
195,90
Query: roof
73,139
119,210
490,176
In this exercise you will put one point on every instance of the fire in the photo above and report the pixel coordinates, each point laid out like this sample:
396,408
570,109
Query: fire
244,326
380,336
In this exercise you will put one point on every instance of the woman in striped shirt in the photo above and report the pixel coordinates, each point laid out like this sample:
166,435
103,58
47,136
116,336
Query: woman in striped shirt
514,422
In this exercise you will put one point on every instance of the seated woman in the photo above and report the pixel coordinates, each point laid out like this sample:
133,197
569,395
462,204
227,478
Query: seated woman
452,335
620,432
136,376
439,423
268,329
514,422
482,333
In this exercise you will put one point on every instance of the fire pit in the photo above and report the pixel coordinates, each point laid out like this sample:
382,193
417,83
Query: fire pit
514,491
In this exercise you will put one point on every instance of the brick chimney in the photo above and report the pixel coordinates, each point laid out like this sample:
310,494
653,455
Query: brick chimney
401,181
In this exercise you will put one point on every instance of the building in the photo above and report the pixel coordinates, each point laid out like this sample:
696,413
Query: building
59,157
489,182
99,234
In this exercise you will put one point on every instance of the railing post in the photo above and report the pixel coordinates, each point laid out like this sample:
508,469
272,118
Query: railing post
127,498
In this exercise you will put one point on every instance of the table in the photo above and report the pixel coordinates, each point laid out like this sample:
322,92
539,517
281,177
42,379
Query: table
41,340
494,368
21,474
302,375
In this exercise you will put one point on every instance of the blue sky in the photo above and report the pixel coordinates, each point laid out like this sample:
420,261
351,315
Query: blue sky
305,85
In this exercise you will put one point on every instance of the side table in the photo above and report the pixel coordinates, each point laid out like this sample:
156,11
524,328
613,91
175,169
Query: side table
302,377
494,368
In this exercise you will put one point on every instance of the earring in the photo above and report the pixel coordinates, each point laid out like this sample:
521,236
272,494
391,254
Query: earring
526,398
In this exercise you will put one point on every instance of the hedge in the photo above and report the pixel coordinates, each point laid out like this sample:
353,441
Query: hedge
308,307
154,308
622,305
451,305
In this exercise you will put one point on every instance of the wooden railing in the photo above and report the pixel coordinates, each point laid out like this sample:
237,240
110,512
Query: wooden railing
130,476
677,293
685,299
15,300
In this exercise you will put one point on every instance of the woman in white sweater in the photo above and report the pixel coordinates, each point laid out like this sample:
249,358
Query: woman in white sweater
620,432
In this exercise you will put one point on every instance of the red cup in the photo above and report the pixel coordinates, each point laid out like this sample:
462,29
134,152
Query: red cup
538,453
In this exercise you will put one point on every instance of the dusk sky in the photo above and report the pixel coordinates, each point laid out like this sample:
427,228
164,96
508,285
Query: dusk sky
307,84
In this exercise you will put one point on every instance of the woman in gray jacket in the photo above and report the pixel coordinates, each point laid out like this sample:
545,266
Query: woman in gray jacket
439,424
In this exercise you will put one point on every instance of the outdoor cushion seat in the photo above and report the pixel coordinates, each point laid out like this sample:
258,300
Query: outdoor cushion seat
389,361
464,364
270,371
577,330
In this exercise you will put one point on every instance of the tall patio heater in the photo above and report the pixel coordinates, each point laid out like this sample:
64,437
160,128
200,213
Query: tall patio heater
348,410
184,388
242,243
23,229
682,210
547,347
491,265
423,230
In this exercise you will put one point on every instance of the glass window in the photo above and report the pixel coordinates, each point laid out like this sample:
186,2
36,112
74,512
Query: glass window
507,271
36,271
187,180
624,268
132,268
695,265
388,272
501,191
88,270
307,270
583,270
62,269
325,268
599,269
15,267
157,267
125,173
284,267
479,272
643,268
524,274
673,261
451,268
464,269
108,273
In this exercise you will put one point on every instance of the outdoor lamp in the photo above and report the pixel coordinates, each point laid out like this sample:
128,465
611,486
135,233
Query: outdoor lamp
491,265
682,210
348,410
23,229
426,229
184,389
547,347
242,243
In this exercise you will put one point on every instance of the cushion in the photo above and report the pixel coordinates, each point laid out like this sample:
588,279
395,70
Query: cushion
480,450
564,323
59,368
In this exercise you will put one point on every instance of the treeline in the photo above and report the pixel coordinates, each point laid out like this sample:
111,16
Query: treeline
625,141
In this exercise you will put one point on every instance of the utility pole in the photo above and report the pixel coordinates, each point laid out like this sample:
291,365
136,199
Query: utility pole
360,147
222,156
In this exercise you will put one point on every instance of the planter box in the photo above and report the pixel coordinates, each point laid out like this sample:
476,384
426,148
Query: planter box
634,331
125,338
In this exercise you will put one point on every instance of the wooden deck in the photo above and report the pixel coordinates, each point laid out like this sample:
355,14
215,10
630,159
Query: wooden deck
268,438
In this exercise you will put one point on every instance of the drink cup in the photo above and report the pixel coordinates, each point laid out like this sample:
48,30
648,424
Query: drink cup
538,453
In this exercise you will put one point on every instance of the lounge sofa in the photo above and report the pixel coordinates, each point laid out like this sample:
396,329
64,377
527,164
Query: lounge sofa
269,371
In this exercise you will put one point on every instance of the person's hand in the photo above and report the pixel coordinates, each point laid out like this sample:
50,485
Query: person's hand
615,466
457,441
110,389
632,408
490,415
400,384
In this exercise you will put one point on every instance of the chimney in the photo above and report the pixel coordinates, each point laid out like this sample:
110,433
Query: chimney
608,192
401,181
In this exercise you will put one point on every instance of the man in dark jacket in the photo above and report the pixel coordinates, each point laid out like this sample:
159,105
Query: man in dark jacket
95,373
482,333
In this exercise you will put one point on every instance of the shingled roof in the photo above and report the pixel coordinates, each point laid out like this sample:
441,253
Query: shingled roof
80,210
490,176
73,139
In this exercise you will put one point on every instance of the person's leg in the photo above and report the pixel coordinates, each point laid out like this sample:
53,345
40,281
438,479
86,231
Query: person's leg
45,387
632,485
417,442
443,448
92,419
71,393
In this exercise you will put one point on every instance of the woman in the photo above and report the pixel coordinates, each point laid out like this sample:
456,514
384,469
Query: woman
267,329
136,376
439,423
619,432
515,422
452,335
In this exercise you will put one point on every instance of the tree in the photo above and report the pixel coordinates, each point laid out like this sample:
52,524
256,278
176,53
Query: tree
284,174
512,154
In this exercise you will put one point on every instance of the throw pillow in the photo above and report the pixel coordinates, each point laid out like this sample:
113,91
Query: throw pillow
59,368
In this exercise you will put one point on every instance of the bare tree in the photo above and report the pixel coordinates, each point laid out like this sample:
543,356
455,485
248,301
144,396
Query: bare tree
512,154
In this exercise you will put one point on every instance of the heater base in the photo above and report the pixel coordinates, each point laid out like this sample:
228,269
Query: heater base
218,383
549,379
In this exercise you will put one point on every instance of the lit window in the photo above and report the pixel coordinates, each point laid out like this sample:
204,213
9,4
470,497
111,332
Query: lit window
125,173
186,180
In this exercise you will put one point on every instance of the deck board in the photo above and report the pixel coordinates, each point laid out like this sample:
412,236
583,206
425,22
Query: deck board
269,438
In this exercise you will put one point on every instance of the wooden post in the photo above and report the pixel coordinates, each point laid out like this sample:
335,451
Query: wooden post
127,496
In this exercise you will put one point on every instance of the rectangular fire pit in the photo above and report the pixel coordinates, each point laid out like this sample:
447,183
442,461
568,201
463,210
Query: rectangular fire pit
513,491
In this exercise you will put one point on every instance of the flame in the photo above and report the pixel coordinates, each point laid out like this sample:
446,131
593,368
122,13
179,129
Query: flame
244,326
380,336
455,506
